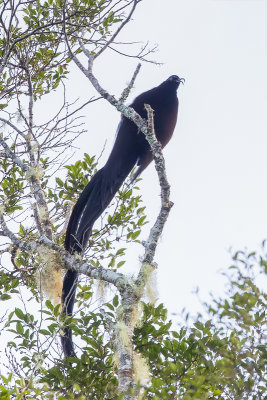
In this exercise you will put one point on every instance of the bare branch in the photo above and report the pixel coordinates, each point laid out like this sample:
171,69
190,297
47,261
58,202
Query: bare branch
141,55
135,2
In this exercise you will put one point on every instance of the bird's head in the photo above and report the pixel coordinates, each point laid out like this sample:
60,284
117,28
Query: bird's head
175,81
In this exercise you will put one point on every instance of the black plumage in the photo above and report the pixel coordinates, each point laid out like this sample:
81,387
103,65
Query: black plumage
130,148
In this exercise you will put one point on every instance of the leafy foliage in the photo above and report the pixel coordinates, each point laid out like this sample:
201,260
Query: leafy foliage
12,186
33,35
220,356
8,285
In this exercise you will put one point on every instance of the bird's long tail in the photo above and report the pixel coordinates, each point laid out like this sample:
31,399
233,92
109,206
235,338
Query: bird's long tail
68,297
92,202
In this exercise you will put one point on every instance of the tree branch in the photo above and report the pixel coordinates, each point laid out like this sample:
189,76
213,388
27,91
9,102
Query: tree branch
166,204
10,154
127,90
13,127
68,261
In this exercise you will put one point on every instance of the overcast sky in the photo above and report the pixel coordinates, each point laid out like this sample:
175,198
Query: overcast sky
216,161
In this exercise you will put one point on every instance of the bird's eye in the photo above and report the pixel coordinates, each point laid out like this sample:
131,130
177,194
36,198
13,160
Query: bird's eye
176,79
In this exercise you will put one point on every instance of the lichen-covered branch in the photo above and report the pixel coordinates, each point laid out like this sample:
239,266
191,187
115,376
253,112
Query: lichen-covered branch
127,90
68,261
9,154
166,204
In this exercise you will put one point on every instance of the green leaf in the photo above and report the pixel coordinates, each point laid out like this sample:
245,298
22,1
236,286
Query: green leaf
19,313
45,332
115,301
59,182
19,328
135,234
5,296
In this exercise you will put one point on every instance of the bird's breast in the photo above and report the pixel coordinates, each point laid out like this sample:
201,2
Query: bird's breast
165,120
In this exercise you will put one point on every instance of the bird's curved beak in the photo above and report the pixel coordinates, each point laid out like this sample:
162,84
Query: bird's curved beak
181,80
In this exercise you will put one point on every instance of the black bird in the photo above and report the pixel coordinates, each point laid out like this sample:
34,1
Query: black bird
130,148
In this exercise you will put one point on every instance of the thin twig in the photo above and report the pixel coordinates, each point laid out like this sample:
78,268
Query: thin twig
127,90
118,30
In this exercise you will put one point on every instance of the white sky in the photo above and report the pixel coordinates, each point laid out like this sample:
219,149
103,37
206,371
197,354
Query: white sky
216,161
